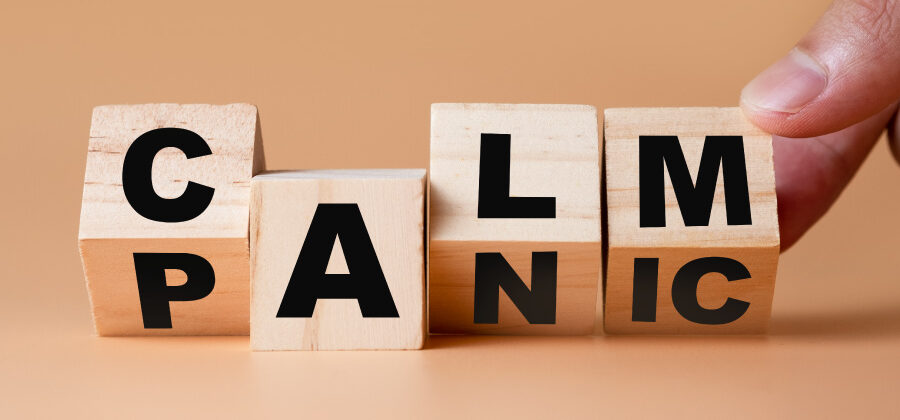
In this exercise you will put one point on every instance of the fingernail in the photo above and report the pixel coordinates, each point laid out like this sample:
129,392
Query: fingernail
788,85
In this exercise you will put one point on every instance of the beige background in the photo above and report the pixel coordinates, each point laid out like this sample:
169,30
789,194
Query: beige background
348,85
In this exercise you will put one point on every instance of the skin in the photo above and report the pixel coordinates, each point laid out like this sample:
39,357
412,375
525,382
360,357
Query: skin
828,111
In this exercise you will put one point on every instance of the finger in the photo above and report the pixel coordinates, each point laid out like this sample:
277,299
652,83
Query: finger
846,69
811,173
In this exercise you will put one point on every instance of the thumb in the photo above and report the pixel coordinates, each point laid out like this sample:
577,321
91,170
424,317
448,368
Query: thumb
846,69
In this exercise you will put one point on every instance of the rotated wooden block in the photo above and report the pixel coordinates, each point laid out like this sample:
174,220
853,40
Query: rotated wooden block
692,222
514,219
338,260
164,218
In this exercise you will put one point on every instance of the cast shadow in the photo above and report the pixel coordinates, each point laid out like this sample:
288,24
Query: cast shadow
868,323
448,341
229,343
878,322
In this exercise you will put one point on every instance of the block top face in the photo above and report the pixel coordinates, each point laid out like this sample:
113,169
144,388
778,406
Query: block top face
233,138
553,152
341,185
623,129
322,174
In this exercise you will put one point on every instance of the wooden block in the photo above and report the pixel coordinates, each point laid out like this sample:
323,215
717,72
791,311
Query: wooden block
692,222
514,219
338,260
165,215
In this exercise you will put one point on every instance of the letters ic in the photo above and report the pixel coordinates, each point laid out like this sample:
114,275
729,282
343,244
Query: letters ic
514,219
692,222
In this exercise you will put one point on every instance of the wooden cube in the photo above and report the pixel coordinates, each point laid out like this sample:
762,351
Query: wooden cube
514,219
164,218
692,222
338,260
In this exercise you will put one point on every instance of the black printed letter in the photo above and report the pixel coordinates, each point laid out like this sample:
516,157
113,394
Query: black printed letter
365,283
138,184
695,201
494,201
684,290
493,272
643,298
155,295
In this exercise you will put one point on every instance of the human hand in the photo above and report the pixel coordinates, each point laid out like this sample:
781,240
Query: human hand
839,87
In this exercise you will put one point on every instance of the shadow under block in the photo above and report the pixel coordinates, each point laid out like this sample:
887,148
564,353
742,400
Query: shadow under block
722,267
309,249
552,151
112,231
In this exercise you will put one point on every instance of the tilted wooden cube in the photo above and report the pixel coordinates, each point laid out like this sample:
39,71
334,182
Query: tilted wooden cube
514,219
338,260
164,218
692,222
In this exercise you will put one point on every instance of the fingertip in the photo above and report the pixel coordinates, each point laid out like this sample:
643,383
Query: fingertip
787,85
781,123
839,74
775,98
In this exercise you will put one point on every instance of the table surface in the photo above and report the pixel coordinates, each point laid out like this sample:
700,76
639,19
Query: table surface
349,86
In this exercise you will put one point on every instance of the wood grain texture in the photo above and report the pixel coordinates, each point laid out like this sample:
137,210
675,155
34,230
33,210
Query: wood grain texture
554,152
392,204
452,287
755,245
712,291
622,129
112,286
110,230
232,133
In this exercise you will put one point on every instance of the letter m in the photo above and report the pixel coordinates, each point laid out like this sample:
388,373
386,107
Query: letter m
695,199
